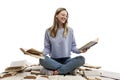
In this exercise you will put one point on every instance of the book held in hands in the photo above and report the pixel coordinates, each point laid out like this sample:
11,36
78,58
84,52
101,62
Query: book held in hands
89,44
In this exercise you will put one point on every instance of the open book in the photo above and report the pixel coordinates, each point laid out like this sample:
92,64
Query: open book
17,66
33,52
89,44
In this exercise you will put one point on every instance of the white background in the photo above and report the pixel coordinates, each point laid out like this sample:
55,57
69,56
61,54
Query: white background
23,24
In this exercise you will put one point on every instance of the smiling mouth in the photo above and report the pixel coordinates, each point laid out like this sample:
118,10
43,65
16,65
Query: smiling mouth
63,19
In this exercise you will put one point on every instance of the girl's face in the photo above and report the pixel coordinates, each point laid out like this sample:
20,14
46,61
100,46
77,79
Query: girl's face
62,17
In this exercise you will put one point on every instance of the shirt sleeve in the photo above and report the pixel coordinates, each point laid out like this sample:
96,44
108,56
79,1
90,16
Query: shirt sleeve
47,44
73,47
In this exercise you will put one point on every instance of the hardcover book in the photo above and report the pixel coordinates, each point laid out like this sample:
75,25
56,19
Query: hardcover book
89,44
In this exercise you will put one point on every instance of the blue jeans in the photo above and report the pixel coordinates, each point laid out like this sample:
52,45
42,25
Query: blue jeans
64,67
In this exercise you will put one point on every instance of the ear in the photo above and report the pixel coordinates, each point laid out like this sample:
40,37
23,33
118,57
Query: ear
56,16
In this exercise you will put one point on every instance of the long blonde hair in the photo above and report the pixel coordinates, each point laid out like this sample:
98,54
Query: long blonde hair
53,29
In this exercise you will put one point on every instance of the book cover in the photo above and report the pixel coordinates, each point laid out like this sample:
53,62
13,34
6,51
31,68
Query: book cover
89,44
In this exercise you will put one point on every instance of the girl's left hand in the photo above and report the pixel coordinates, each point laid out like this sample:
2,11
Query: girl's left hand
83,51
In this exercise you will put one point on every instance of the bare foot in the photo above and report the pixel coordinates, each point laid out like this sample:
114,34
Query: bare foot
55,72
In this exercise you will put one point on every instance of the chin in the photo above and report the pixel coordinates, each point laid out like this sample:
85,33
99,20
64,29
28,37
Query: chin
63,22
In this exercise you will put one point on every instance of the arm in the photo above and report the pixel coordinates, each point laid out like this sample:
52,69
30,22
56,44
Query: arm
73,45
74,49
47,44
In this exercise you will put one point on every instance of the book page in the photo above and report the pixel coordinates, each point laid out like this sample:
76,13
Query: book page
32,52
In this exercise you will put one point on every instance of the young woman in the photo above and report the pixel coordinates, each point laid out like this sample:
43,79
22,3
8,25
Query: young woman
58,43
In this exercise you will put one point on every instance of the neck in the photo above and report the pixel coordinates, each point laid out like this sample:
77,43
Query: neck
60,25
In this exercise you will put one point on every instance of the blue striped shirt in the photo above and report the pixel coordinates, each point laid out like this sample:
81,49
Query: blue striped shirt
59,46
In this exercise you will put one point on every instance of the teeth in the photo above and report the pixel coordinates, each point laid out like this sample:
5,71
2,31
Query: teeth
63,18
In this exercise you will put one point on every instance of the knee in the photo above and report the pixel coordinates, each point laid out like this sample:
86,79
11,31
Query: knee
81,59
43,61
